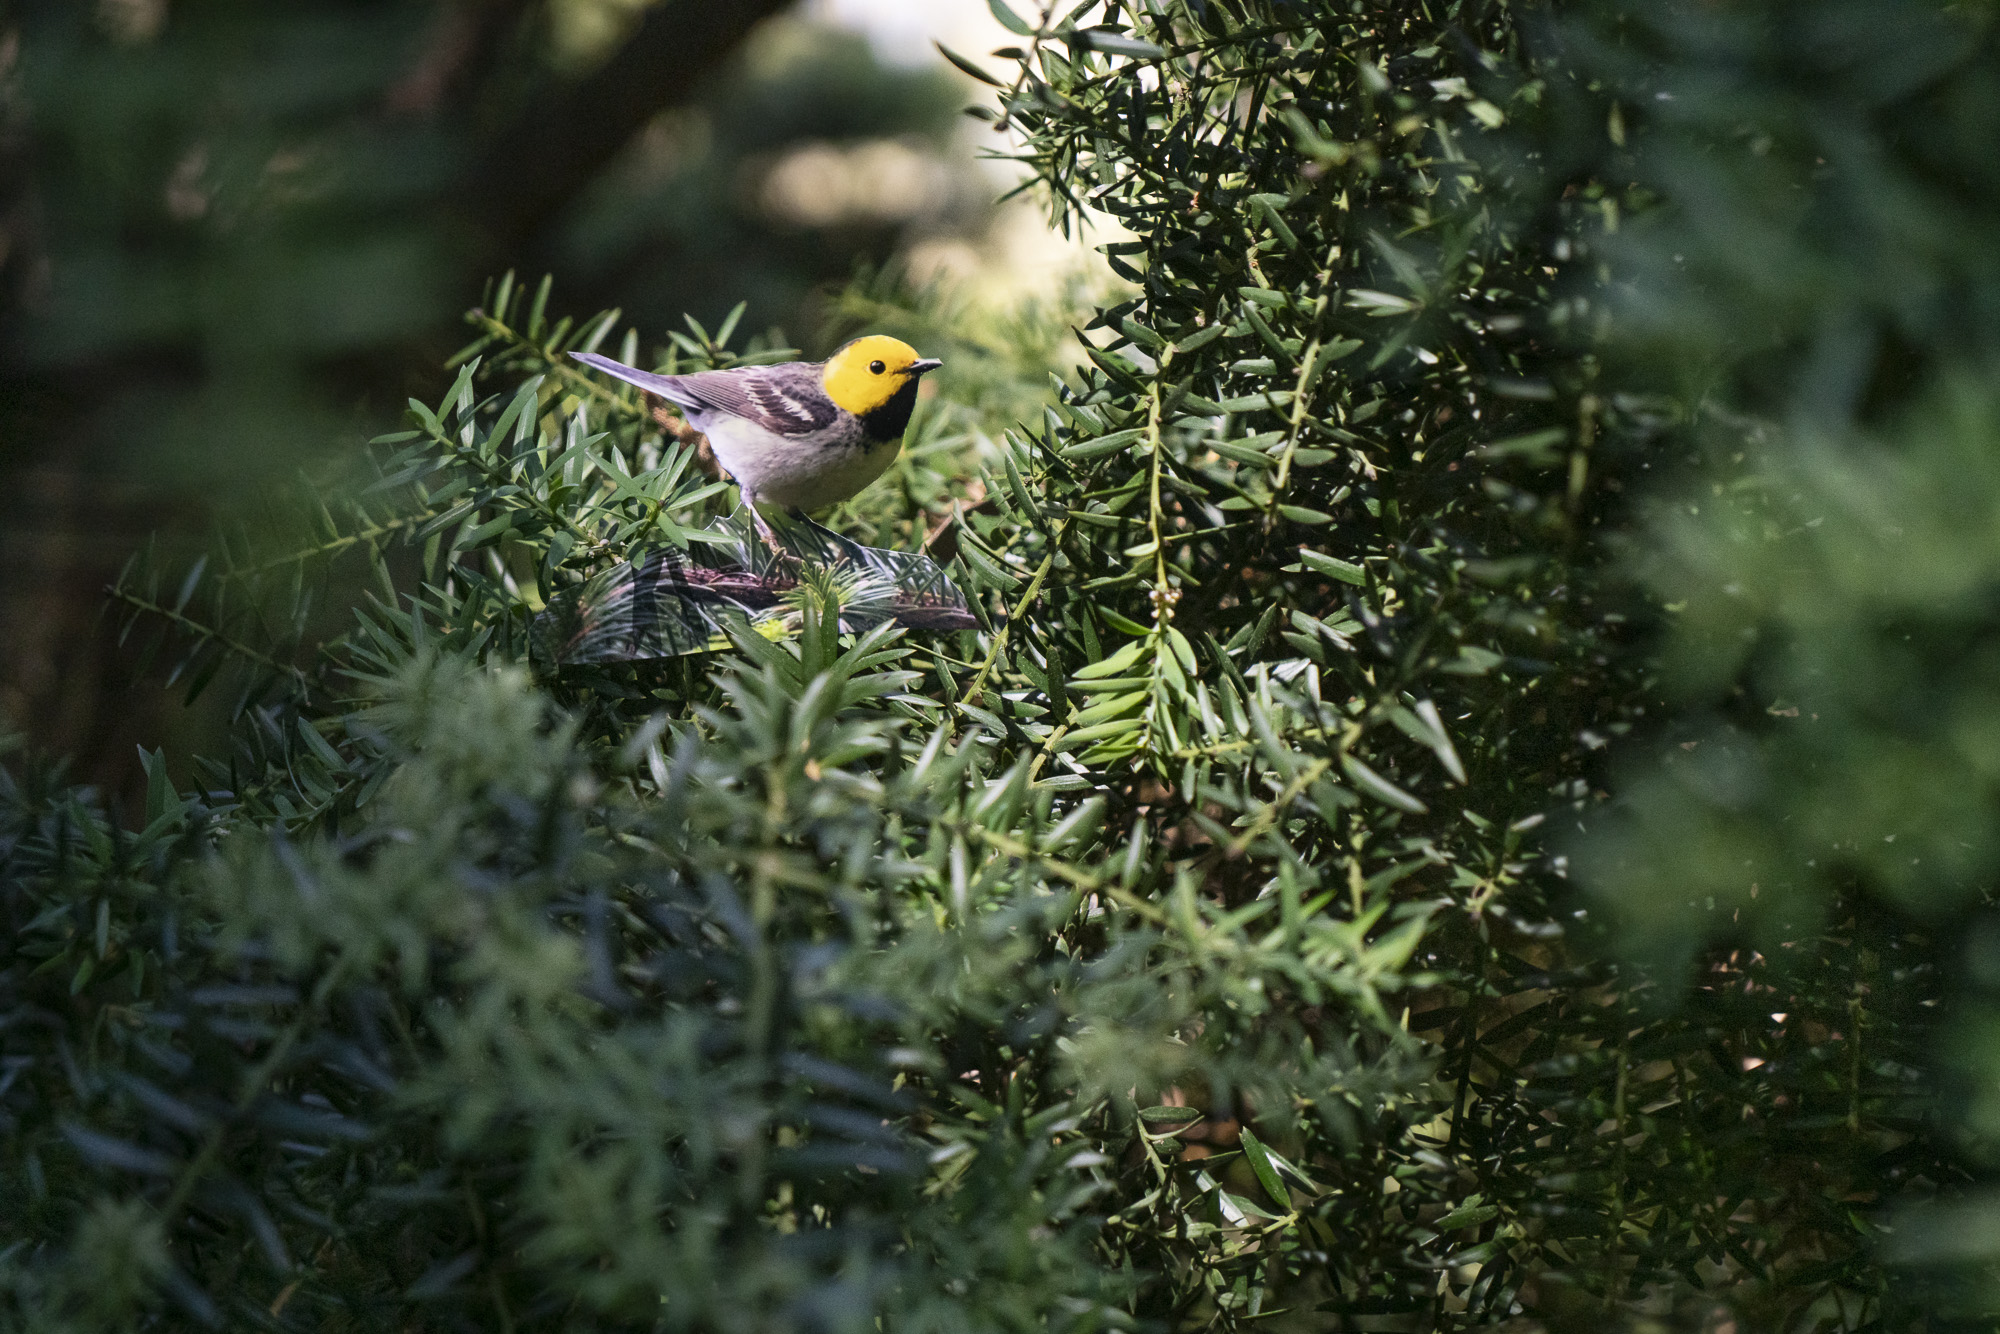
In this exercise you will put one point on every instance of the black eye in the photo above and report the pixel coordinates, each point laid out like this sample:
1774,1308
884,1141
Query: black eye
877,367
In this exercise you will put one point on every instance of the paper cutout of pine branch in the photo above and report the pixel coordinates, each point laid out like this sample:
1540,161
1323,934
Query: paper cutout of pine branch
677,602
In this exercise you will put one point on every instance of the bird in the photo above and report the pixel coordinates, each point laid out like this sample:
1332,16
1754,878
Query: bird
801,434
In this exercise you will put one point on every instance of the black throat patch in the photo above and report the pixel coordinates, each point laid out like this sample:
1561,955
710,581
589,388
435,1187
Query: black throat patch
889,421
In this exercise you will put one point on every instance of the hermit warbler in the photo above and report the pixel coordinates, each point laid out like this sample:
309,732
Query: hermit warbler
801,434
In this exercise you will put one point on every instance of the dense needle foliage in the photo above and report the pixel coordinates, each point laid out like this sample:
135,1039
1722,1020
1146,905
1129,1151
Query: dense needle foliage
1185,948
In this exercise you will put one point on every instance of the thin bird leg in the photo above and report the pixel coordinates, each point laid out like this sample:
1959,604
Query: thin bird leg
764,531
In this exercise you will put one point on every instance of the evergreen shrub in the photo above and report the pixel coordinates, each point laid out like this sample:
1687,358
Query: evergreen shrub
1183,948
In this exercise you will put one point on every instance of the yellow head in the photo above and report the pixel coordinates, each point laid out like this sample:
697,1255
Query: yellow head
866,374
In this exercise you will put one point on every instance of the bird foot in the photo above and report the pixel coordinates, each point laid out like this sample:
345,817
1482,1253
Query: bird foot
784,555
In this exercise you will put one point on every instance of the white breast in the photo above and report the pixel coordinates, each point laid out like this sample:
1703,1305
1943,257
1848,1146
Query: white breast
801,475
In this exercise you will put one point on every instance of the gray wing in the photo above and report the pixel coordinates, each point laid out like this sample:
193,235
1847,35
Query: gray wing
784,399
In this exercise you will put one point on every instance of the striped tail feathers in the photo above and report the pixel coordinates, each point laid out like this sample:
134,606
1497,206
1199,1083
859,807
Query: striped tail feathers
666,386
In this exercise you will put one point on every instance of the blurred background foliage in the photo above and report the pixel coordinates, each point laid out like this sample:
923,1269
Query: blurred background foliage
1819,305
1467,807
233,237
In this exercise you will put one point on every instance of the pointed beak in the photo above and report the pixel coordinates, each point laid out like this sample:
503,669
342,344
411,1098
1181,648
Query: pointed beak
917,368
